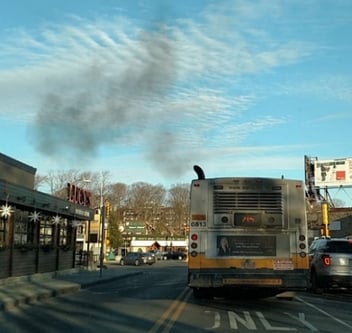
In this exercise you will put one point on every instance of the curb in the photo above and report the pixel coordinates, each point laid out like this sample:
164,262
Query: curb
22,295
28,292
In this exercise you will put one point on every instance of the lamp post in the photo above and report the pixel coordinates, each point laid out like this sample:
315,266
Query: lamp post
102,229
86,259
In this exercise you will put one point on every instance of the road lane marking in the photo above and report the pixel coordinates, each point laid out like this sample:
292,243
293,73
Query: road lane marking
171,314
217,320
179,308
302,318
246,321
269,327
324,312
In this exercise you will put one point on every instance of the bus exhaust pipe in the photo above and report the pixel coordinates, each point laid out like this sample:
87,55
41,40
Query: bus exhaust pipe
199,171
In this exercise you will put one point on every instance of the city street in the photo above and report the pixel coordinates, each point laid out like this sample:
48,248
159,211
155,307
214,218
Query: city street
158,300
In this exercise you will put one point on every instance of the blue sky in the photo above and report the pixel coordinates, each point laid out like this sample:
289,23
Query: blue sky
146,89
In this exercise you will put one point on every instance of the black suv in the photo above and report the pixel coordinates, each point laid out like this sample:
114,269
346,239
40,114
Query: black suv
330,263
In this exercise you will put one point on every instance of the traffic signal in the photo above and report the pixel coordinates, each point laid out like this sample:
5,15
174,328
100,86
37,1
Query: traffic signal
107,208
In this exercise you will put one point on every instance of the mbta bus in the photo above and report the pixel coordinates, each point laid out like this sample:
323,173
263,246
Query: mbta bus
247,232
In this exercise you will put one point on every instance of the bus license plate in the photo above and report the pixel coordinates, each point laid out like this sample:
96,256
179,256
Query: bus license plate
283,265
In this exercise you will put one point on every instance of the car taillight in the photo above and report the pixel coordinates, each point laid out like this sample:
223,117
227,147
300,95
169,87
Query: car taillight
326,259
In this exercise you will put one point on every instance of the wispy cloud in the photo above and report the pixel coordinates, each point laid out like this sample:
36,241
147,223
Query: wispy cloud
90,84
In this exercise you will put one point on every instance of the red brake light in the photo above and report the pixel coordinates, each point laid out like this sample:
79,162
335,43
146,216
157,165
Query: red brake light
194,237
326,260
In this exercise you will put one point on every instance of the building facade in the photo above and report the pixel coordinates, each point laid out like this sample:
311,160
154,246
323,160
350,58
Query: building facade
37,230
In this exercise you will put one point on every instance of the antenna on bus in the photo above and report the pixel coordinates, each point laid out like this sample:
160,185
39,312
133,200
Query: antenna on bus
199,171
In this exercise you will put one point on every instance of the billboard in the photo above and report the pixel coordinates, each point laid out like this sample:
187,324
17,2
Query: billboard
333,173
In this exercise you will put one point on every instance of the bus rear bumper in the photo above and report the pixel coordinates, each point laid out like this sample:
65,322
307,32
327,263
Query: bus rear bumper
284,281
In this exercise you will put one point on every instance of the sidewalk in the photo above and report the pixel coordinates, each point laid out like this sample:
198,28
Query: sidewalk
25,290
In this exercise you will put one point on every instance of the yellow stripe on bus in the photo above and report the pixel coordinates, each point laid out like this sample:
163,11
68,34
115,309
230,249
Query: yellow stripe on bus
202,262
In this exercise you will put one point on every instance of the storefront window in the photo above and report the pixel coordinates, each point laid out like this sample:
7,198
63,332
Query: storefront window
63,233
46,235
23,229
66,234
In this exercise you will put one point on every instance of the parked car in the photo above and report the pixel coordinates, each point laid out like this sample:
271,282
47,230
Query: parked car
330,263
132,258
149,258
175,255
158,255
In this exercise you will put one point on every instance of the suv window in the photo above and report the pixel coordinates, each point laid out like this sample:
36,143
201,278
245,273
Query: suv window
317,244
339,247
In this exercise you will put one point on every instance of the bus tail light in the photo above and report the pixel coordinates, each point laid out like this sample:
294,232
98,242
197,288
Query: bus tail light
326,259
194,245
302,245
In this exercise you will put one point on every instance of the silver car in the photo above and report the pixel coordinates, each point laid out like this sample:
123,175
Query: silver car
149,258
330,263
132,258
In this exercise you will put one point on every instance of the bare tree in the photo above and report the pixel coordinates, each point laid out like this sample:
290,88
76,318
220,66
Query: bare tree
99,184
117,195
39,181
57,181
145,195
178,200
145,200
95,182
161,210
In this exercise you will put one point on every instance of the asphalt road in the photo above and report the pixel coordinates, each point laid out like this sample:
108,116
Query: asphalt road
158,301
